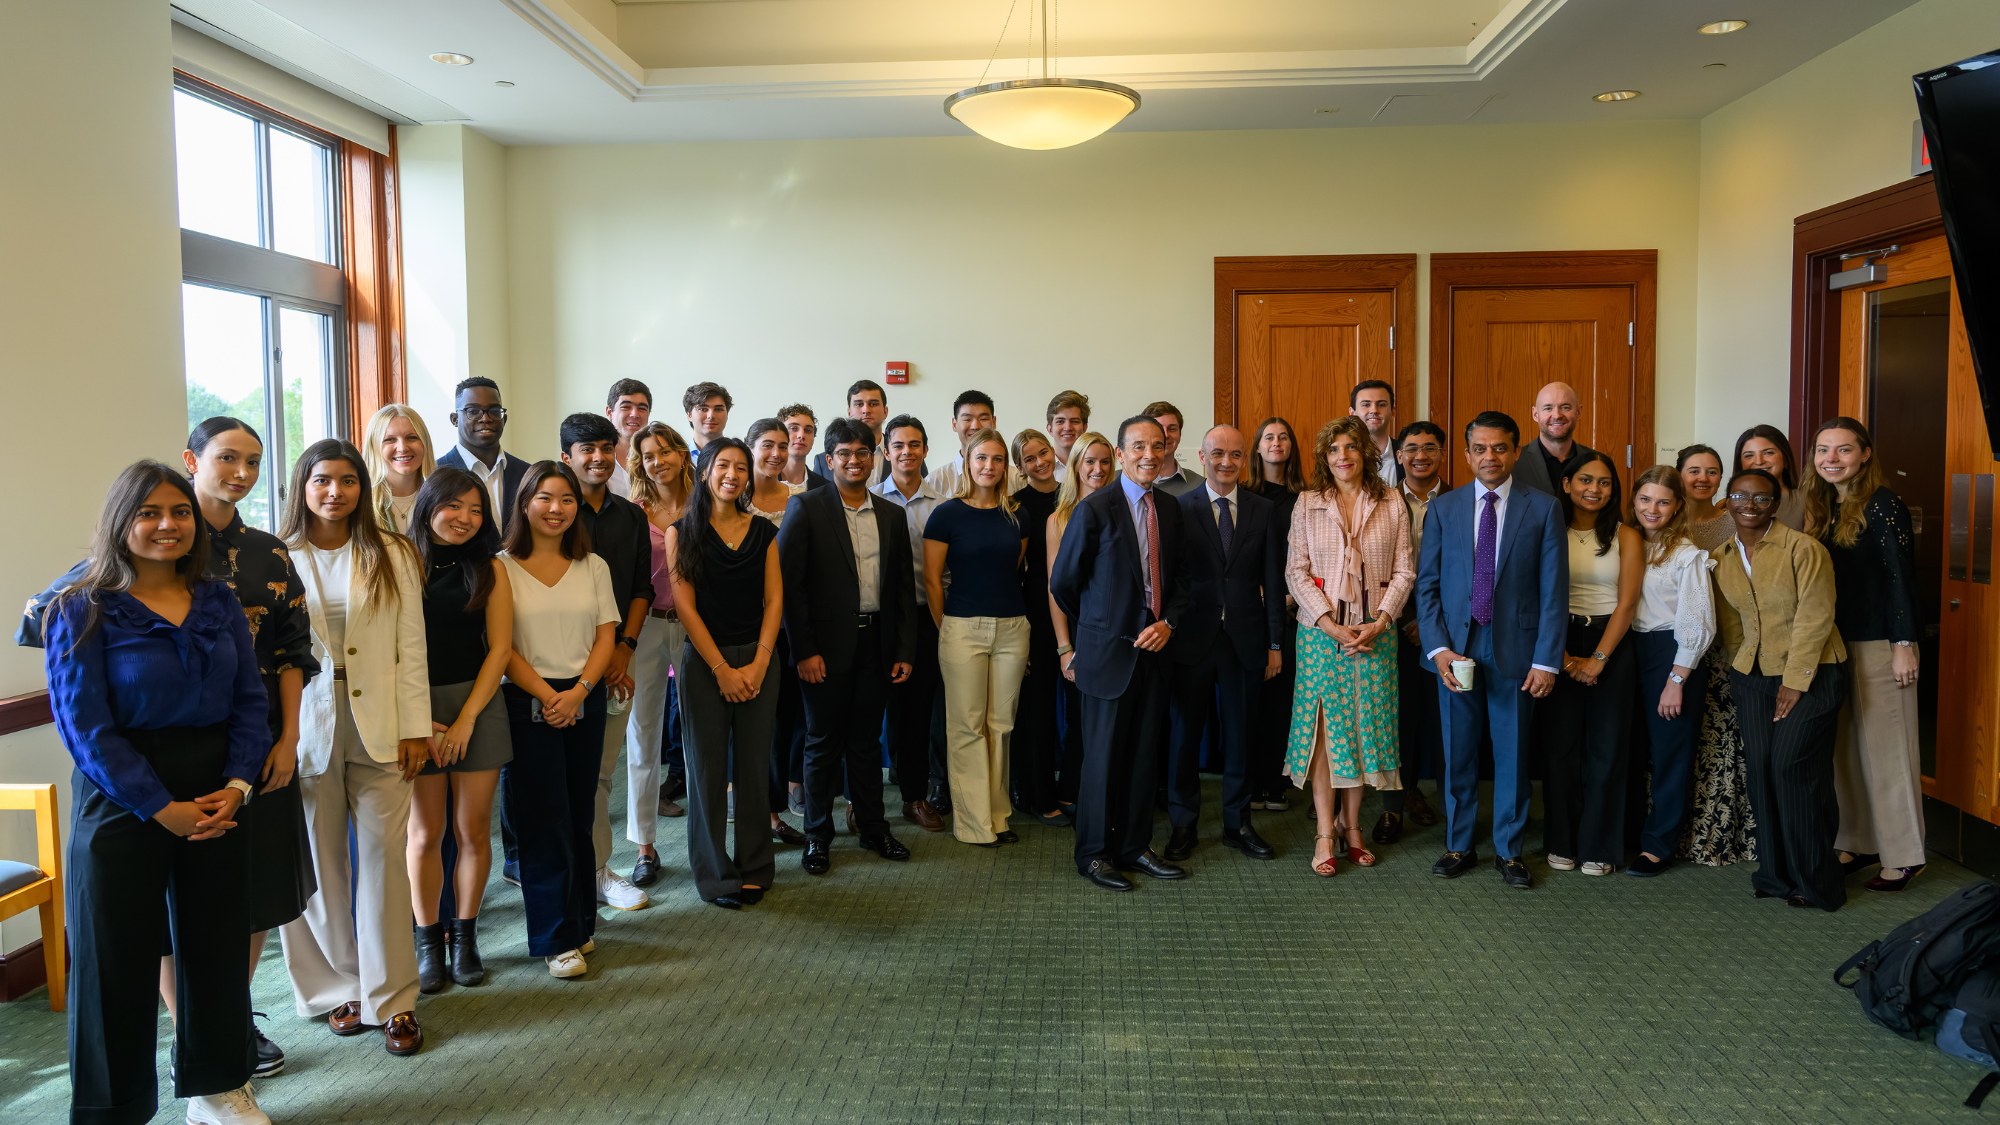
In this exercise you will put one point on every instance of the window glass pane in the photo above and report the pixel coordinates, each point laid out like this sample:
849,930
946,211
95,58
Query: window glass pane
216,151
306,362
223,341
299,197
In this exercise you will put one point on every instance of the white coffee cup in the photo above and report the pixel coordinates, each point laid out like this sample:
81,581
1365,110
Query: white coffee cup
1463,670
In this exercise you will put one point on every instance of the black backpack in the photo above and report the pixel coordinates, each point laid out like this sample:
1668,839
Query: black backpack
1979,999
1910,978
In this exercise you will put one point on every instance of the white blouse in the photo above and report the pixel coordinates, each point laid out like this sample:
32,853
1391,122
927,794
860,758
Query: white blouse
1675,595
555,626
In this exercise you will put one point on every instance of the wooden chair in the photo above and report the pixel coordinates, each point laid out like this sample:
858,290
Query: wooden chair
46,891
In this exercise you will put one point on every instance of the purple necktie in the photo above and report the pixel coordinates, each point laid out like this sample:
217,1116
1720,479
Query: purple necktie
1482,560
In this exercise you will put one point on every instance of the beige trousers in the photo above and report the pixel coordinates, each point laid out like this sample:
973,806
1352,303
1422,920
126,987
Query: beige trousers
981,661
1875,764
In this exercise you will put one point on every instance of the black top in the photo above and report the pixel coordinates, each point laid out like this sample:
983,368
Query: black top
257,567
619,536
984,557
1034,512
730,598
1875,581
1284,499
455,638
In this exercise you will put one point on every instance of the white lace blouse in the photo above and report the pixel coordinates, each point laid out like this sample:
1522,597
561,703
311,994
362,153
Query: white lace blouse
1675,595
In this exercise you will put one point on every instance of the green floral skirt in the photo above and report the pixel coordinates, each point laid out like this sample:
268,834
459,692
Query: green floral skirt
1353,700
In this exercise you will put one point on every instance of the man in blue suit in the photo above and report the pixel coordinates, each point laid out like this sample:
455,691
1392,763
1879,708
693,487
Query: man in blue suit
1492,588
480,419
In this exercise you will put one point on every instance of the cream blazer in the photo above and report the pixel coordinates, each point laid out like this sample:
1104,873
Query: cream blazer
388,673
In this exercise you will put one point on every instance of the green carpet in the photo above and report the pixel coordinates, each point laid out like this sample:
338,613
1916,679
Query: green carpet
997,986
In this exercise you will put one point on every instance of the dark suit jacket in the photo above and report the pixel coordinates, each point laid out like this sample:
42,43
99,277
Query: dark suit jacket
510,477
1530,579
822,594
1533,467
1097,583
1243,595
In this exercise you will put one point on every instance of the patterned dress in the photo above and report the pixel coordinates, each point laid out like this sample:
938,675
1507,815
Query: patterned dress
1355,697
1720,826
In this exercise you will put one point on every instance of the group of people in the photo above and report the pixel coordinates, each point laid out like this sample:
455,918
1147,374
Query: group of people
308,731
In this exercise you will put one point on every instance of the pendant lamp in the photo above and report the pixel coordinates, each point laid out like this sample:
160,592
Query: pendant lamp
1041,113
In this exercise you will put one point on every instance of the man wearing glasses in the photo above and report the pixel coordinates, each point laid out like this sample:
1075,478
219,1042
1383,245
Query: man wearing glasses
480,419
1419,451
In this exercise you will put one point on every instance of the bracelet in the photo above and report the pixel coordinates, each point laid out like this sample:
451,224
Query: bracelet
765,647
1065,650
717,664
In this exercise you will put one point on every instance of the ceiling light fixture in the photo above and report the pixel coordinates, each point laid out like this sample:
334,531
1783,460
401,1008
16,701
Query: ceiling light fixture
1615,96
452,58
1045,112
1722,27
503,82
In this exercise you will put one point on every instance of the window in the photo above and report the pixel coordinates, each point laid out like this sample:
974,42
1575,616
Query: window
262,291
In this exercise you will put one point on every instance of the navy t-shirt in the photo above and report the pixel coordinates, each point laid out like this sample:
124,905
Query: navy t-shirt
984,559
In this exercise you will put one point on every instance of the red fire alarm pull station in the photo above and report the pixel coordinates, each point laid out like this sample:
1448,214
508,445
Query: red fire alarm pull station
897,371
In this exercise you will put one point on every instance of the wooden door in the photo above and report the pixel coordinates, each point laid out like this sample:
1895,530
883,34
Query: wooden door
1299,355
1506,344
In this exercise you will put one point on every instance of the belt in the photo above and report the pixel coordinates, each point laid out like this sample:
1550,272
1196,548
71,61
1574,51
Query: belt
666,614
864,620
340,671
1587,621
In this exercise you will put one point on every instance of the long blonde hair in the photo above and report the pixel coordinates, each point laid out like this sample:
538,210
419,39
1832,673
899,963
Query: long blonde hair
645,493
1347,425
378,465
1824,507
966,483
1676,531
1071,491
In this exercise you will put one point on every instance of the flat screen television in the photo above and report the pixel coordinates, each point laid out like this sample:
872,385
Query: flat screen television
1960,108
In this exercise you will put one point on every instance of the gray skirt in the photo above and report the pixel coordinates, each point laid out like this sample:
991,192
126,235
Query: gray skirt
492,743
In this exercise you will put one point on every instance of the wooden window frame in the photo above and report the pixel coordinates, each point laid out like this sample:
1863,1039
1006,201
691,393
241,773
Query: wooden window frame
1315,273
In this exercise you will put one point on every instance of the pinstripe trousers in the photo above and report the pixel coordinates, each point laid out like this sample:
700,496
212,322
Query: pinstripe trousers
1790,767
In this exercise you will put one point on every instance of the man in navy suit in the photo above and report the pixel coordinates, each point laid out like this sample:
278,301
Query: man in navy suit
1492,588
476,411
1226,643
1119,576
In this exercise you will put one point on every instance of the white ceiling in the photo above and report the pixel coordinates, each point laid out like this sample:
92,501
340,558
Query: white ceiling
609,71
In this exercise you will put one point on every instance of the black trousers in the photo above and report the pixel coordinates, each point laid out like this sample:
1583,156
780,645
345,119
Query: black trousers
1420,726
788,738
1790,768
1586,728
843,740
130,882
1035,749
1069,728
549,793
1218,685
726,740
1114,801
909,712
1671,741
1274,721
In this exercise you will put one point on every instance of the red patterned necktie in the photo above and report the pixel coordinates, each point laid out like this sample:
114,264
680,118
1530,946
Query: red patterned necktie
1152,554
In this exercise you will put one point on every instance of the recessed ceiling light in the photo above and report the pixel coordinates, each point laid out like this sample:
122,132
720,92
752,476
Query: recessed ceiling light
452,58
503,82
1722,27
1715,66
1328,109
1616,96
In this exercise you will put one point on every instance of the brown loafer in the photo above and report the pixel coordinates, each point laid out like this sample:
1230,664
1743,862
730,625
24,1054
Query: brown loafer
1419,810
921,814
403,1035
784,833
346,1019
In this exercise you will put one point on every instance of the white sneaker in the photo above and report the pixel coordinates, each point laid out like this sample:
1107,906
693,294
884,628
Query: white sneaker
232,1107
617,892
565,965
1595,868
1561,862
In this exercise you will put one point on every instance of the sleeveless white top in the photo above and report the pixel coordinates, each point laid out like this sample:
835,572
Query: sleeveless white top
1593,578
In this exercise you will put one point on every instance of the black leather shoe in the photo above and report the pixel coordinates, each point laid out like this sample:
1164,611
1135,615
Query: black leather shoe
750,896
1246,840
784,833
433,959
727,902
646,872
1859,864
994,843
1513,872
941,799
816,861
1008,837
1389,829
885,846
1158,868
1643,868
1453,864
1181,844
1104,875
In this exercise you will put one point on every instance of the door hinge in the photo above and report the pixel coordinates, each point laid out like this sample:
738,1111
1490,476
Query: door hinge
1628,456
1628,333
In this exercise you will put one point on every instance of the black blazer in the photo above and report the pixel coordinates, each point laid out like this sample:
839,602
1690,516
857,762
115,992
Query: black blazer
1243,595
1532,469
1098,585
822,594
510,479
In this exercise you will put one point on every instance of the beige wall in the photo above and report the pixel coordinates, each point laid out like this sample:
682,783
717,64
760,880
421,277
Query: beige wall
1837,127
786,270
453,184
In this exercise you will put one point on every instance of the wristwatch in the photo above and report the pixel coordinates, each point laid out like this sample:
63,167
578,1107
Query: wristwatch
630,642
1600,656
1676,677
241,786
587,686
1902,644
1065,650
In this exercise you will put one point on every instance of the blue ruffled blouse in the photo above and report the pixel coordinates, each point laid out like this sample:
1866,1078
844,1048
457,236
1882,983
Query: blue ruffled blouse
140,672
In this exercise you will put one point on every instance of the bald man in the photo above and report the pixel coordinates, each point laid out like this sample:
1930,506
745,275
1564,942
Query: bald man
1558,412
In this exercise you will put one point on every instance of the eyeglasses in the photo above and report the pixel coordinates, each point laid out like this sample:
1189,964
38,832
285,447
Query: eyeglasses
475,413
1429,448
845,456
1754,499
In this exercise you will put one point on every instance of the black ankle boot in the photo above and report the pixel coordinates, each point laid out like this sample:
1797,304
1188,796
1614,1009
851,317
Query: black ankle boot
431,958
466,967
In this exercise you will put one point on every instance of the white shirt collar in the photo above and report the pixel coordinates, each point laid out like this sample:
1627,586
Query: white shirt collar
1213,495
887,488
1479,489
478,466
1437,486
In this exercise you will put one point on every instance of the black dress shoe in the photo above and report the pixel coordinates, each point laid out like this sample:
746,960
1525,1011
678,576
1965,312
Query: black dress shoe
1246,840
1389,829
816,859
1859,863
941,799
646,872
1008,837
750,896
727,902
885,846
1156,867
1104,875
1513,872
1644,868
1181,844
1453,864
784,833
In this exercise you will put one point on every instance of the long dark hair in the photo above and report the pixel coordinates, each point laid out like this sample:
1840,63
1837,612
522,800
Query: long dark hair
1611,516
1790,477
693,524
1293,472
475,555
520,542
373,545
111,567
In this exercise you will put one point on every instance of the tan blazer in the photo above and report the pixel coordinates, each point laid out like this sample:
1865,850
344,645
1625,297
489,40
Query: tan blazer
1319,547
1779,622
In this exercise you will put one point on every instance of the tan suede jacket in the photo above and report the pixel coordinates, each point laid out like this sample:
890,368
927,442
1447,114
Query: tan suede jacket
1779,623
